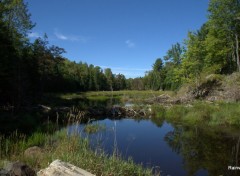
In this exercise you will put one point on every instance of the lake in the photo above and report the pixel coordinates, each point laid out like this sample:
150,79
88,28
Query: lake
172,148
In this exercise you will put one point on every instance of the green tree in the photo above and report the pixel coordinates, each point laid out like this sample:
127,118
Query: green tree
17,17
174,54
158,65
120,82
14,57
135,83
173,58
110,78
194,58
224,21
154,78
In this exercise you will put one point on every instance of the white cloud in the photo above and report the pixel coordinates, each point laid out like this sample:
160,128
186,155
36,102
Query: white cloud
73,38
130,44
126,69
61,36
34,35
128,72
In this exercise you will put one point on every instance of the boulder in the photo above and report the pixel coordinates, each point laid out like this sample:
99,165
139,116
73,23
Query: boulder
60,168
33,152
19,169
4,172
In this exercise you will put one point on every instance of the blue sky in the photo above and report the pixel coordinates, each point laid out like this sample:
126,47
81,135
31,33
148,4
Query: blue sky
124,35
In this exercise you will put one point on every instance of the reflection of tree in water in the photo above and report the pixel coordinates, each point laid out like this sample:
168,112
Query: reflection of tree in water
174,140
158,121
205,149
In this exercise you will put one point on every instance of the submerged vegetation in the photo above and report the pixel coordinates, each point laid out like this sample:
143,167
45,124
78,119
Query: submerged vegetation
93,128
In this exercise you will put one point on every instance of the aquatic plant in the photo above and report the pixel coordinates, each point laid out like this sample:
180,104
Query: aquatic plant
93,128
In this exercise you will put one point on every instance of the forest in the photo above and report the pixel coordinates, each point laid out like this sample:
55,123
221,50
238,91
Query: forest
30,69
186,108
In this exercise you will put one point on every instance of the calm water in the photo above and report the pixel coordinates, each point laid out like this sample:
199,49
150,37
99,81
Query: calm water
175,149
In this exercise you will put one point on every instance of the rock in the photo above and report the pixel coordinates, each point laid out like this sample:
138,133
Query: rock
33,152
19,169
4,172
60,168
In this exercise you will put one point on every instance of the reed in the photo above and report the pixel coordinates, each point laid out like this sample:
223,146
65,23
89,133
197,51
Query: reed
201,113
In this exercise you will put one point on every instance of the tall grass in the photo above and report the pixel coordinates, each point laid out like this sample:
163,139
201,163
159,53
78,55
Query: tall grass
123,95
73,149
215,114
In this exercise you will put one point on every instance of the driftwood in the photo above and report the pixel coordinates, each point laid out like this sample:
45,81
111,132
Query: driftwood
130,111
60,168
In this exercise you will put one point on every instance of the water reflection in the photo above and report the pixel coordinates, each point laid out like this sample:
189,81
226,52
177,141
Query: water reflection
175,149
207,149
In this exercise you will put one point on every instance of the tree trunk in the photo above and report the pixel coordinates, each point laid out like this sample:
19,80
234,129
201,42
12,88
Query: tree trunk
237,52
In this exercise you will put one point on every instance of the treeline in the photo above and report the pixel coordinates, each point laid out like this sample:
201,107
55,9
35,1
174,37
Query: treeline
30,69
214,48
27,70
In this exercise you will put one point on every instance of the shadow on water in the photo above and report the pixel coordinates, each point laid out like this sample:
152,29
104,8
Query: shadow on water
172,148
33,118
23,122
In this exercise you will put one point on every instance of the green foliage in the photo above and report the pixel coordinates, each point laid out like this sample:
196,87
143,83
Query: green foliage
158,111
201,113
176,113
135,84
174,54
228,114
17,17
158,65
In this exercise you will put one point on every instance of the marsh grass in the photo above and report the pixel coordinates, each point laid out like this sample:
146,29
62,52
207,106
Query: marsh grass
123,95
176,112
227,114
211,114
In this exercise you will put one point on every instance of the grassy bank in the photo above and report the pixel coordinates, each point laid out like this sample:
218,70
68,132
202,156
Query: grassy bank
218,113
71,149
202,113
123,96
